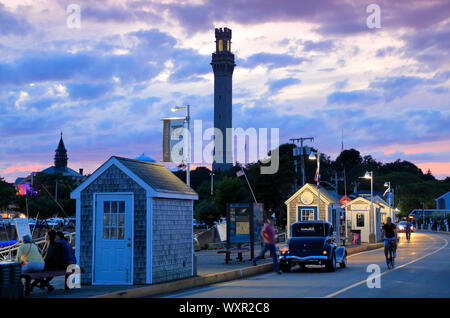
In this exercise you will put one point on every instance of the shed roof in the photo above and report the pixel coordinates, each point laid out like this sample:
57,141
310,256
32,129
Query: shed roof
157,176
154,177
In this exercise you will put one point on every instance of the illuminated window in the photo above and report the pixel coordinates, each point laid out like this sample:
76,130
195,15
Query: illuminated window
228,45
220,45
307,215
113,220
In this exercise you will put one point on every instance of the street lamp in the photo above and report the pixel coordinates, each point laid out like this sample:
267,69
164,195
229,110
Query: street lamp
369,175
188,142
391,201
313,155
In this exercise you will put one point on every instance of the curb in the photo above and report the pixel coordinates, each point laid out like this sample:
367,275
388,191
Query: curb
436,232
209,279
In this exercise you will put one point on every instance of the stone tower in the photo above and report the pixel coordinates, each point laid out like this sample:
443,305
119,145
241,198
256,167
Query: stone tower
61,155
223,66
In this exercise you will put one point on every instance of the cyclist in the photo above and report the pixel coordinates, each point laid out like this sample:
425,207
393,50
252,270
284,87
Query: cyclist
408,230
390,234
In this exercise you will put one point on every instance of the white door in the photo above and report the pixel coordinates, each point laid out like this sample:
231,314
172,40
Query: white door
113,239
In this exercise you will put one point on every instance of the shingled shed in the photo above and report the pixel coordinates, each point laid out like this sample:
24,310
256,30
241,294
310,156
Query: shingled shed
134,224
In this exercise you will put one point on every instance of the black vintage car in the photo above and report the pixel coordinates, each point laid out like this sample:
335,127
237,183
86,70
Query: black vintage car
312,242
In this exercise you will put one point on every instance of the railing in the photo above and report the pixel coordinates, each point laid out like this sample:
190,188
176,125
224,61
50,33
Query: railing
7,253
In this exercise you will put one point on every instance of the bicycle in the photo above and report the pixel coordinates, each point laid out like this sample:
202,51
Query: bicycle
408,235
390,258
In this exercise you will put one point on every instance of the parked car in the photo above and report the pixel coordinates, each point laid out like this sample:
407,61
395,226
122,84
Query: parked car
53,222
197,224
69,222
312,243
5,222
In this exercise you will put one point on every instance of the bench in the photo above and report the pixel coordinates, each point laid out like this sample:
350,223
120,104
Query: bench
32,279
230,251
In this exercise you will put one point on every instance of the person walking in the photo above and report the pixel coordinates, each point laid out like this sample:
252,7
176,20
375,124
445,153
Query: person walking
268,236
28,254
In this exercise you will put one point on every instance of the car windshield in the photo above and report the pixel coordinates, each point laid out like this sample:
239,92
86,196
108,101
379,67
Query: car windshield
299,230
402,223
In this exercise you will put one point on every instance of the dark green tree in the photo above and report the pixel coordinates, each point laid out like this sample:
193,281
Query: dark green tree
7,194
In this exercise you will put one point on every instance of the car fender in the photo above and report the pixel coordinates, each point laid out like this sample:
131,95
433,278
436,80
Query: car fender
340,253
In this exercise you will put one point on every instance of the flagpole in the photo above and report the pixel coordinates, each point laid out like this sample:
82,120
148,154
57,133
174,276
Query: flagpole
249,185
318,186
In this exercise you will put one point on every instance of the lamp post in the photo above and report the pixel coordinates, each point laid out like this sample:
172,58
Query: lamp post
369,175
388,185
188,141
313,155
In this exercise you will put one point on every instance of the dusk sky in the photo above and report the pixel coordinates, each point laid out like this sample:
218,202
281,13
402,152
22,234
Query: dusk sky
309,68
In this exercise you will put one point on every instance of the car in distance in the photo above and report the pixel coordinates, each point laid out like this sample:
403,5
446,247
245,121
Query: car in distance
401,227
312,243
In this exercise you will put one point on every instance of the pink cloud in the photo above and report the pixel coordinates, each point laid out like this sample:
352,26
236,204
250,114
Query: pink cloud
27,168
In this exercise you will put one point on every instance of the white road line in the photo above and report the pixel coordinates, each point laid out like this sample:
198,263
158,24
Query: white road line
387,271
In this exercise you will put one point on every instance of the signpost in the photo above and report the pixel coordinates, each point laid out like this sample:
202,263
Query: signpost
244,224
22,228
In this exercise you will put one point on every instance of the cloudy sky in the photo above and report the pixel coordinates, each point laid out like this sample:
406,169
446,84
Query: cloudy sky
309,68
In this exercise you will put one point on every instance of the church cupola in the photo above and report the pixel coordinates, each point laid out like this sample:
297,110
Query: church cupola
61,155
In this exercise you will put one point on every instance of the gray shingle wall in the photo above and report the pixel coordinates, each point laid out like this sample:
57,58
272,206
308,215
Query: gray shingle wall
172,239
113,180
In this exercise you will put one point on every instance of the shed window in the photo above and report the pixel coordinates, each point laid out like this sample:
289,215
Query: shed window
113,220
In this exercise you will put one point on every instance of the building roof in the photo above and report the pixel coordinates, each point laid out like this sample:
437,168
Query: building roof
324,194
67,172
157,176
154,177
143,157
442,196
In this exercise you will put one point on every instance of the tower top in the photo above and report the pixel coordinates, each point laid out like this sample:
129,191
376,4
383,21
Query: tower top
224,33
61,155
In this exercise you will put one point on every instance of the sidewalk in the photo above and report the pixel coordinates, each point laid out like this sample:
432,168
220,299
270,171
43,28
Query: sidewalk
211,269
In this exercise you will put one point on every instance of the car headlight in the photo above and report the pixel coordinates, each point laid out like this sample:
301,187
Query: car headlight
284,249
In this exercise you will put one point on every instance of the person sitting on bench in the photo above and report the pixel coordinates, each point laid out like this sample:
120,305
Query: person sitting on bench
68,256
52,259
28,254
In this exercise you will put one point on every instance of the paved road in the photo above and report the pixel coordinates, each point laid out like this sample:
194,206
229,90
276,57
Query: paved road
422,270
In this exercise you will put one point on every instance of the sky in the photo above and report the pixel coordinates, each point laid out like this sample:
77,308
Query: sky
310,68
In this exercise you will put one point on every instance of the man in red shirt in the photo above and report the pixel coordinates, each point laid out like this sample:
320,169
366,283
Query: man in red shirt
268,236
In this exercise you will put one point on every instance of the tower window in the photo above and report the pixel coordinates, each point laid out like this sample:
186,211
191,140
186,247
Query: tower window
228,45
220,45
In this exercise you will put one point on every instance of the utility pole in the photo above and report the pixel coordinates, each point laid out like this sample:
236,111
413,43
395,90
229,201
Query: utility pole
301,154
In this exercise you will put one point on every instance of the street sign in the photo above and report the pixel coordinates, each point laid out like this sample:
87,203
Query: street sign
244,223
173,138
22,228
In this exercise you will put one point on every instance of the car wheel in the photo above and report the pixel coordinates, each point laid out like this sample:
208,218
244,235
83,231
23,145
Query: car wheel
331,264
343,264
285,266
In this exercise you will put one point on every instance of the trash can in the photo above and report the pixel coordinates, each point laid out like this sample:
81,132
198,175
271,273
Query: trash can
356,237
10,283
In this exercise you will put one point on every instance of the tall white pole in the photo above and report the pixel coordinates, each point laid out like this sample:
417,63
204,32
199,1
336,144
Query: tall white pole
188,164
371,204
318,186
